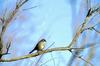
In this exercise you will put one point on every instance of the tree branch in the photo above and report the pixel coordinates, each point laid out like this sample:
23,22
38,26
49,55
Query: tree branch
80,31
7,21
38,53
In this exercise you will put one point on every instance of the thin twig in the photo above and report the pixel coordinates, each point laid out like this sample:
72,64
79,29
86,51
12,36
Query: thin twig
8,47
30,8
42,55
92,28
53,59
77,55
86,61
96,30
47,61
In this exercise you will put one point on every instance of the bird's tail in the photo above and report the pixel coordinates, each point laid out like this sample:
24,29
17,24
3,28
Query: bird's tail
31,51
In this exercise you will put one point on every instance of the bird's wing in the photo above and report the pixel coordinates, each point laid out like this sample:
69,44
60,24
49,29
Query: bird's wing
33,49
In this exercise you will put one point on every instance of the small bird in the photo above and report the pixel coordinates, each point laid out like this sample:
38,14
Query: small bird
40,46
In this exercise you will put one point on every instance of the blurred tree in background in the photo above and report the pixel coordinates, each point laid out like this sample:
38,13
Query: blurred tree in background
70,27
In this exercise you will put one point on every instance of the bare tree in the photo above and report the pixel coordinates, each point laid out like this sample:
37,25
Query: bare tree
80,41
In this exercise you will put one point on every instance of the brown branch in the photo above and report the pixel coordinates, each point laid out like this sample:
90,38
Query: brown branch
74,40
96,30
12,16
6,23
92,10
80,31
22,2
37,53
92,28
85,61
8,46
91,54
42,52
30,8
80,57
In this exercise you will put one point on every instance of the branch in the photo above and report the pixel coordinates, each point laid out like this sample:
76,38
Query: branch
45,51
92,28
95,9
30,8
86,61
79,32
76,54
12,15
7,21
37,53
8,46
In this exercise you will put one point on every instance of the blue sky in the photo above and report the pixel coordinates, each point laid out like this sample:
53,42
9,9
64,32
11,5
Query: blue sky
50,20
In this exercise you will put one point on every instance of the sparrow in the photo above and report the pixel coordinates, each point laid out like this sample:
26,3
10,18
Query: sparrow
39,46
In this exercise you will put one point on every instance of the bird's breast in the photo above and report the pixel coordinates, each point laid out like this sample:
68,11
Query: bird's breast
41,45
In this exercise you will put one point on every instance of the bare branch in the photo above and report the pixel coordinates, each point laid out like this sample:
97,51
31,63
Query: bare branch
85,60
47,61
8,46
79,32
36,54
92,28
96,30
80,57
95,9
30,8
40,53
7,21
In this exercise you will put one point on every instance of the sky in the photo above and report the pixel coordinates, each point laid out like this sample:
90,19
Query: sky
51,19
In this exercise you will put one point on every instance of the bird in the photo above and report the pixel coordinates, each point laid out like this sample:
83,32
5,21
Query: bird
39,46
